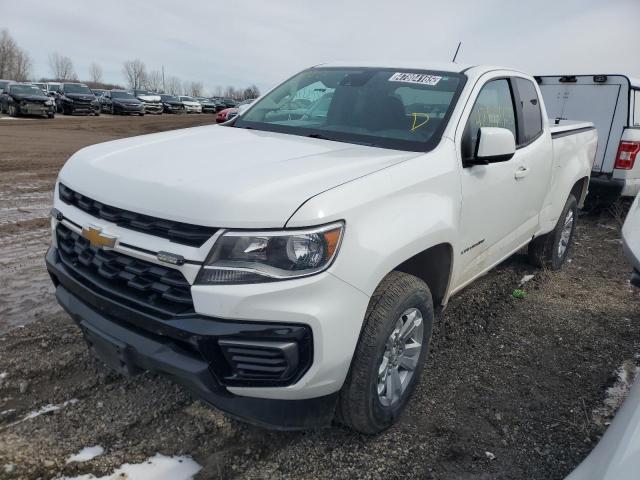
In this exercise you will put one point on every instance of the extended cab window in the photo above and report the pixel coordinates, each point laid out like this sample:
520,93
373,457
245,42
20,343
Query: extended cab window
493,108
531,124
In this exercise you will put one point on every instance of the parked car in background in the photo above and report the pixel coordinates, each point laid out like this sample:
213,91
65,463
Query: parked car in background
617,454
26,99
223,115
171,104
631,241
4,83
73,98
41,85
52,88
98,92
241,107
121,102
612,103
191,105
299,282
152,101
208,104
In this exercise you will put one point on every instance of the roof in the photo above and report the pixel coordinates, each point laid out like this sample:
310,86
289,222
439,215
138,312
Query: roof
444,67
633,81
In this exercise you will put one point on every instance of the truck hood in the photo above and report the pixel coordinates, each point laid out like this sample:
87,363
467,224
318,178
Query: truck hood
219,176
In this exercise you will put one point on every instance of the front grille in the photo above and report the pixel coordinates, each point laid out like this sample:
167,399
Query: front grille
178,232
138,283
265,360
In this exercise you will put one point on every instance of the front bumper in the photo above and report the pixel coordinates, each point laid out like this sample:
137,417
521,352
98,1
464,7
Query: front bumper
36,109
120,108
131,343
192,109
153,108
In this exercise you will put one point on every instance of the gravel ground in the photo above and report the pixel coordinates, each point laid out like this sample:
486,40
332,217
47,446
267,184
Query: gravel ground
515,388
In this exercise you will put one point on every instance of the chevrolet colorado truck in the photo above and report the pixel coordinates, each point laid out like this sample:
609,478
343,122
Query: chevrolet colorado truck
292,277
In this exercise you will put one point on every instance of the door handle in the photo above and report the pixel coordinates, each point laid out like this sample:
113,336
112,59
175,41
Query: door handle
521,173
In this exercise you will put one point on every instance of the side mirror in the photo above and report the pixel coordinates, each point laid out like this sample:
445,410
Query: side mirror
494,145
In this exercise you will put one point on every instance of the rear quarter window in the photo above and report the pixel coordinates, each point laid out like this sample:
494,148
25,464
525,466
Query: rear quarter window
531,115
636,114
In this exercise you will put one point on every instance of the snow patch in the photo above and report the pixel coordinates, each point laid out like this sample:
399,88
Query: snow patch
36,413
525,279
617,393
86,454
158,467
49,408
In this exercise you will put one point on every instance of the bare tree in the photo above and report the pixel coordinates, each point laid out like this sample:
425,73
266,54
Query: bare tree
217,92
230,92
22,66
8,49
15,63
61,67
195,89
173,86
251,92
95,72
135,73
154,81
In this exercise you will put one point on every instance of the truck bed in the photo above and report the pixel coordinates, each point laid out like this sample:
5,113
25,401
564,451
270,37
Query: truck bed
568,127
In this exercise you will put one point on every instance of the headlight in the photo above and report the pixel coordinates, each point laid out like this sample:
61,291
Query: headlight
255,257
49,102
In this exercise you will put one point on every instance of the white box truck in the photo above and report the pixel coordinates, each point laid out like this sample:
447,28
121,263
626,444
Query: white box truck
612,103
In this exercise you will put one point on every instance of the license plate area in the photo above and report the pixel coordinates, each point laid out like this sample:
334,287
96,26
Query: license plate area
115,353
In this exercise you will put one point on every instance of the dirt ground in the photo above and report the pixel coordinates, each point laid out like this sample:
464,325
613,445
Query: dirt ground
515,388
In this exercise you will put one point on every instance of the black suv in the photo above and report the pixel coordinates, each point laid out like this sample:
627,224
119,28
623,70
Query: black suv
76,98
24,99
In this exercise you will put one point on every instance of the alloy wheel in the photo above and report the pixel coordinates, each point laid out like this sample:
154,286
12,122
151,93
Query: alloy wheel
400,359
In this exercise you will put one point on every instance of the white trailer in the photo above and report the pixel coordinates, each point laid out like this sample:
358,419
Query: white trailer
612,103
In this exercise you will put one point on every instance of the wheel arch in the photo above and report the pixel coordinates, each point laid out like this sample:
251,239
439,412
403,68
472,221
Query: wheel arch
434,267
580,190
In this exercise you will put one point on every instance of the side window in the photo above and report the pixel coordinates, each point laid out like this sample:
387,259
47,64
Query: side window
493,108
531,124
636,115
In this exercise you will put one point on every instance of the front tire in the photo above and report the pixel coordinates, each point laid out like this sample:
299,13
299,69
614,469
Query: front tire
552,249
13,111
390,354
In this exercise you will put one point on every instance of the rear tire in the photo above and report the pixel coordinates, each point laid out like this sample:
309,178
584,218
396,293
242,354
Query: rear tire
390,354
552,249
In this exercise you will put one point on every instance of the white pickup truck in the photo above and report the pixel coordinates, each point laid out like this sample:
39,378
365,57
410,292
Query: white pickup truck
292,276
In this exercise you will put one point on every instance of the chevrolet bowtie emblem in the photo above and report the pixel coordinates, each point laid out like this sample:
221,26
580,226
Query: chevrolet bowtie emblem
96,238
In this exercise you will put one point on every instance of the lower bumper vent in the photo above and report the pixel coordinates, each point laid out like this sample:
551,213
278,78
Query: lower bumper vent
266,360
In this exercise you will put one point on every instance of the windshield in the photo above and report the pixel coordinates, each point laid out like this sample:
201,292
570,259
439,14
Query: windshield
400,109
169,98
121,95
188,99
76,88
25,90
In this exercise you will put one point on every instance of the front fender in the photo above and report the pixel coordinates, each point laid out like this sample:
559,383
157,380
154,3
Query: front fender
390,215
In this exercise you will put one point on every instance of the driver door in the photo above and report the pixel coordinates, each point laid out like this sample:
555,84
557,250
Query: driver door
493,223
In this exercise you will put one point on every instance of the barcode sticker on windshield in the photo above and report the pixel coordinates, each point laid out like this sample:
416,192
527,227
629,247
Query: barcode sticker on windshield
421,78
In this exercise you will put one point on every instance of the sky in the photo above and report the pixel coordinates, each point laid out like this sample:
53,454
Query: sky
244,42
